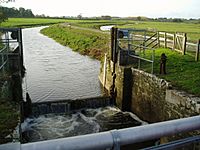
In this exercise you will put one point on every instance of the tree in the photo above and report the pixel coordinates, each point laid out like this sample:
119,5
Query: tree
106,17
13,12
139,18
2,17
79,16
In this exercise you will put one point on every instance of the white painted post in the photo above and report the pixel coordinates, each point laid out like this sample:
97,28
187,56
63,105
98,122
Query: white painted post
184,43
165,40
104,70
197,51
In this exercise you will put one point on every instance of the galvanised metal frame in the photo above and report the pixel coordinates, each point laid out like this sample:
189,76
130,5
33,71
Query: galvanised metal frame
7,40
139,46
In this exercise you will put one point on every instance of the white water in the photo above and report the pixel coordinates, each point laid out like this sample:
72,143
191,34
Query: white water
86,121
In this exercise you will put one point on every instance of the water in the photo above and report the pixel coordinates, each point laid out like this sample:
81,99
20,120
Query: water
56,72
82,122
106,28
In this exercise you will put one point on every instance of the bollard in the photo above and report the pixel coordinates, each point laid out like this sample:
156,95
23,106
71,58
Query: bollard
163,60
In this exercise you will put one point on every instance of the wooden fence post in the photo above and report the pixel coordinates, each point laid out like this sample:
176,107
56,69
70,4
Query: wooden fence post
174,41
158,38
184,43
198,49
112,43
165,40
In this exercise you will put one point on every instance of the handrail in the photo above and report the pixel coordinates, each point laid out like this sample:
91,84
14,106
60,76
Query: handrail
105,140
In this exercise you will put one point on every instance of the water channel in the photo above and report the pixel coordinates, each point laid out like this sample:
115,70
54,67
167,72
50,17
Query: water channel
55,72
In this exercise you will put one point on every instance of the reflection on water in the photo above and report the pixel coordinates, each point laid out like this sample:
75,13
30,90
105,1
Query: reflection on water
55,71
85,121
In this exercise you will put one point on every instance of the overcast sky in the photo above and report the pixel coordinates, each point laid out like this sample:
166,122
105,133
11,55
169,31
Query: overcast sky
121,8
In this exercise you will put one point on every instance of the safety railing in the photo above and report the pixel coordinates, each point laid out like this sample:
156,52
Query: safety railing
137,43
4,44
10,40
113,140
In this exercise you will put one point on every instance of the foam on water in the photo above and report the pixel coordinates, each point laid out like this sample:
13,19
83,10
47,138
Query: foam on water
85,121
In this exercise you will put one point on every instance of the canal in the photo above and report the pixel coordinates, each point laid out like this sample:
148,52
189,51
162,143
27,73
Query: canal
54,72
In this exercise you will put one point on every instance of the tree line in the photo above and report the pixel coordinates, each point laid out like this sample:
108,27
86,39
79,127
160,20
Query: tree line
16,13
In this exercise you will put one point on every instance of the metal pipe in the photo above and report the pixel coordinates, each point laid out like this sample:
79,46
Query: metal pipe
96,141
105,140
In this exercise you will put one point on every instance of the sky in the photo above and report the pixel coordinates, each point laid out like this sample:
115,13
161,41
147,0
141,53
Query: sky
121,8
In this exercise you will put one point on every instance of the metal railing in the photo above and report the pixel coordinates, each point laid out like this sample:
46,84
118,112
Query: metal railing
4,52
8,44
112,140
136,45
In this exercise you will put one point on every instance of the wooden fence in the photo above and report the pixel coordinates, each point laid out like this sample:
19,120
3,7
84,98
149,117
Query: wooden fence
178,42
175,41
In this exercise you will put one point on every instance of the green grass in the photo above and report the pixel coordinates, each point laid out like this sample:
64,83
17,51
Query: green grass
192,29
182,70
86,42
28,22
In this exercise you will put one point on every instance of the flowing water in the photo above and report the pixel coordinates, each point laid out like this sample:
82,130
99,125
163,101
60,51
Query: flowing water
82,122
55,72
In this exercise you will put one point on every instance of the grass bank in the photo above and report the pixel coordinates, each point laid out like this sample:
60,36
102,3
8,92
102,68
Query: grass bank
182,70
86,42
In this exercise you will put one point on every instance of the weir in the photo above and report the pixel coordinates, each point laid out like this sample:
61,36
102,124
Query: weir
67,106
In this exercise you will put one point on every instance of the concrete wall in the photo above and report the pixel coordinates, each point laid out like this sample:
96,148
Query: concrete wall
149,97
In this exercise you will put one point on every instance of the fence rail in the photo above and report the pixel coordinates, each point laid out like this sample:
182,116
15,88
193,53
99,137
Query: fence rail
178,42
175,41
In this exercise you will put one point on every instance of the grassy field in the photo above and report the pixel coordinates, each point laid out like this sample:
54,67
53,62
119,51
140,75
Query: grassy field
193,29
27,22
182,70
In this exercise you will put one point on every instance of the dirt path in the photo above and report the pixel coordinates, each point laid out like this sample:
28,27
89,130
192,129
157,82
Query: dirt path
82,28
